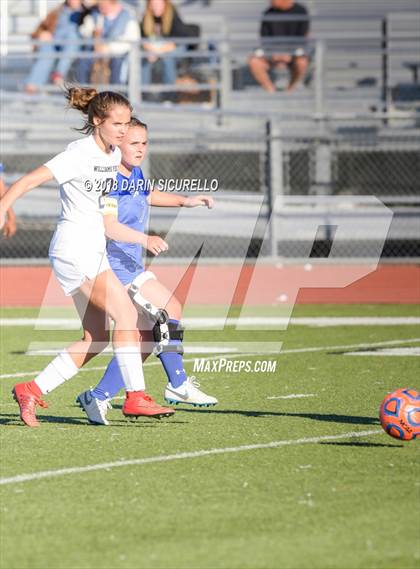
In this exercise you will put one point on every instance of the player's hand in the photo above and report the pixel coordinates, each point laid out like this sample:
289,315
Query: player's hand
2,218
9,228
156,245
196,201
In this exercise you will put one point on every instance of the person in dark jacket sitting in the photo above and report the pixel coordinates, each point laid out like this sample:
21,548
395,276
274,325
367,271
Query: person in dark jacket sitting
160,21
272,55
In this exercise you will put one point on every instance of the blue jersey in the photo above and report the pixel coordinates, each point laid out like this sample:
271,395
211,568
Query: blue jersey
133,210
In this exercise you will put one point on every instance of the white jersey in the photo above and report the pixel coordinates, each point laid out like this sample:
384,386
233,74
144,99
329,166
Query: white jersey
85,173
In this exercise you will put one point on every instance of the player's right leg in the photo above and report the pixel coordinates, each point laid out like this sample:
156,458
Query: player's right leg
67,363
108,293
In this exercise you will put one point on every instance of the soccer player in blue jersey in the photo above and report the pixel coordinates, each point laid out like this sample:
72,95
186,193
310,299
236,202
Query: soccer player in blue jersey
159,310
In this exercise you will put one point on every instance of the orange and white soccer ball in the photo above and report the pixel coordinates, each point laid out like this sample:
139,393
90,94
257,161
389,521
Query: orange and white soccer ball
400,414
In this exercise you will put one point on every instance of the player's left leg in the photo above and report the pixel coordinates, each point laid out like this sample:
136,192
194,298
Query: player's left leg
168,336
96,402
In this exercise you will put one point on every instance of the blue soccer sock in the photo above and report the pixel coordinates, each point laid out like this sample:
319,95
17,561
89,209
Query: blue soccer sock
173,364
111,383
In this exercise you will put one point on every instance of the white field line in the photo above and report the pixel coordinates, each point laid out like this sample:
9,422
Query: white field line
292,396
415,351
242,355
180,456
190,348
245,321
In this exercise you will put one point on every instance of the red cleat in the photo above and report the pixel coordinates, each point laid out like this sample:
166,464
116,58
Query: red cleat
27,401
138,404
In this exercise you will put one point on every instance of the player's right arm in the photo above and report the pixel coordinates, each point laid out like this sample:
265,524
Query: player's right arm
119,232
22,186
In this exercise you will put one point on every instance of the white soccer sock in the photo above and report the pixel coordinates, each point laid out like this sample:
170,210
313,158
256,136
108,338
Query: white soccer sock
131,367
57,372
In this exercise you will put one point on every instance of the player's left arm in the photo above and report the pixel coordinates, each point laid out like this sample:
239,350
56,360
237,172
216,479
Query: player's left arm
162,199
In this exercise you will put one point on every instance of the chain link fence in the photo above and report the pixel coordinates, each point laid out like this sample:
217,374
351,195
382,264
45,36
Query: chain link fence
251,172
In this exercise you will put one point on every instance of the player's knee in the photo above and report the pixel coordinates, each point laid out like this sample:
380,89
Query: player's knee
98,340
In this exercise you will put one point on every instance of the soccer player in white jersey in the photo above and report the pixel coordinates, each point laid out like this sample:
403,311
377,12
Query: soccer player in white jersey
86,171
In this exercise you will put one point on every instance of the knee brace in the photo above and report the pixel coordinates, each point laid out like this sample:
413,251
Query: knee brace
163,330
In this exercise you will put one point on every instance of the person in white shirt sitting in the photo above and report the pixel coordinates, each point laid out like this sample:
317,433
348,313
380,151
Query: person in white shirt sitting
116,25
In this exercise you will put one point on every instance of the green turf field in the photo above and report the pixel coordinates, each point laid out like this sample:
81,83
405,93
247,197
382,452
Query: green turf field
325,495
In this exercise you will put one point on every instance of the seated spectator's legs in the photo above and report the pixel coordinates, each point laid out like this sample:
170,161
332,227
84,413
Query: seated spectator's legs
169,65
41,69
84,68
298,68
116,65
281,61
259,67
124,70
146,71
67,55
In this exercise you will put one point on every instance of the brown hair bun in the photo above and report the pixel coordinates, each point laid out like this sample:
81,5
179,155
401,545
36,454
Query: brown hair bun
94,104
80,97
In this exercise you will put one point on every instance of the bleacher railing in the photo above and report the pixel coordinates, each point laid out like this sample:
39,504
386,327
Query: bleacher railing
375,64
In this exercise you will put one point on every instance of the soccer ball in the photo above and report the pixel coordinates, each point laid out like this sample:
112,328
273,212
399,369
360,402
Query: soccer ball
400,414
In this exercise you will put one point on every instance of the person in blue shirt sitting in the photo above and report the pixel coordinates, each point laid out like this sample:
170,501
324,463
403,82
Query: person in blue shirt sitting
55,58
159,310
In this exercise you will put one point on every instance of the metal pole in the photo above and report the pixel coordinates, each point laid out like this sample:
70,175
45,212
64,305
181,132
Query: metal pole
274,181
225,70
323,168
42,9
4,27
385,67
319,76
134,75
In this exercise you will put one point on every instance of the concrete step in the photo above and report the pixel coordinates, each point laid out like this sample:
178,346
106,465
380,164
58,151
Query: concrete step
23,24
23,7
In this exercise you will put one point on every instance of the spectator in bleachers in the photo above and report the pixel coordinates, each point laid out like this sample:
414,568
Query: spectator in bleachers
60,25
161,20
113,22
9,228
271,56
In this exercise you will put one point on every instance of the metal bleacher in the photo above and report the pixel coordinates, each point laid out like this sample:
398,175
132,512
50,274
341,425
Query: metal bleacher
352,128
351,79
